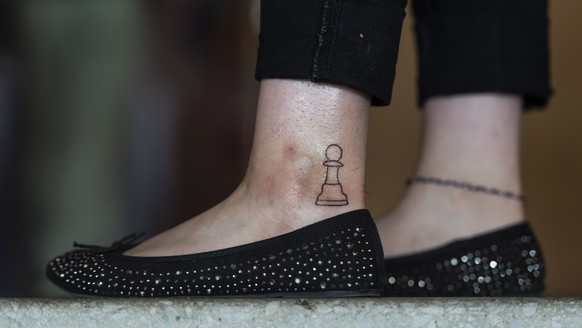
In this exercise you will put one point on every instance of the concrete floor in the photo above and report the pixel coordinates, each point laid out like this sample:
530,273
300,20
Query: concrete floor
361,312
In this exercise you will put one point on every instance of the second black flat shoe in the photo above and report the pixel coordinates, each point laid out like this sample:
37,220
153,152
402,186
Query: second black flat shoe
340,256
506,262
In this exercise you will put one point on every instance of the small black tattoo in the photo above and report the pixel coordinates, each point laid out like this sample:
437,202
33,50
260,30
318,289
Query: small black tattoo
332,193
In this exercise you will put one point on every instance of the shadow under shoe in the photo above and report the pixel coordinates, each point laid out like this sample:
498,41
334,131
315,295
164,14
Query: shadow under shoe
340,256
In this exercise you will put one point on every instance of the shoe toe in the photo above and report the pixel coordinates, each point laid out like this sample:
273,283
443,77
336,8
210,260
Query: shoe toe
75,271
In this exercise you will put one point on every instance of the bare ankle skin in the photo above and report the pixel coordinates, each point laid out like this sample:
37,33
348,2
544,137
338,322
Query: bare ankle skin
472,138
307,164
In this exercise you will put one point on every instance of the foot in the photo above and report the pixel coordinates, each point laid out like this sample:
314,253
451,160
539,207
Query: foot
297,121
430,216
244,217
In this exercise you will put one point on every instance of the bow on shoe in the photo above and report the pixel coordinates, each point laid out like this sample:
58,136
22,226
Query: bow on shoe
125,243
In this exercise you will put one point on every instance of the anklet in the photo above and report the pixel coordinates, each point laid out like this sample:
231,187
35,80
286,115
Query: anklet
466,186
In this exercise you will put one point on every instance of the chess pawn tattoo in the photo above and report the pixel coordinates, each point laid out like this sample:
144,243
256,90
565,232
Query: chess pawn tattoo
332,193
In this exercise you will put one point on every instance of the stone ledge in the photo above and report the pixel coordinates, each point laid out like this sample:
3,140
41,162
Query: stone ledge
240,313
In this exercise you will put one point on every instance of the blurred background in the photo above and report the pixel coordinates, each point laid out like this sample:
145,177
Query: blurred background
124,116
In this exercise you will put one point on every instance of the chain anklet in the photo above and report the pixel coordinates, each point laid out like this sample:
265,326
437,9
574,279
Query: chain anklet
466,186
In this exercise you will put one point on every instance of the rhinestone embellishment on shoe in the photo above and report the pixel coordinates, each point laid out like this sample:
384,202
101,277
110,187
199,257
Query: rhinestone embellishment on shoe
507,262
340,256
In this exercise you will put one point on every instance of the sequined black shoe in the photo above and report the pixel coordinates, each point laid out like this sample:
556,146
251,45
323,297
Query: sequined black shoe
340,256
506,262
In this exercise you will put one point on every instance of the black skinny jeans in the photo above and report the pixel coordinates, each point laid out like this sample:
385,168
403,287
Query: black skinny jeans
464,46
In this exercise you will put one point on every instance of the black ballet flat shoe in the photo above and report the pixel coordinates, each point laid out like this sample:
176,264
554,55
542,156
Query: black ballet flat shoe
340,256
505,262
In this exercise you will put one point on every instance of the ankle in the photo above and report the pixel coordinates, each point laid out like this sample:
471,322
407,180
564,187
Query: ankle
446,205
429,216
291,183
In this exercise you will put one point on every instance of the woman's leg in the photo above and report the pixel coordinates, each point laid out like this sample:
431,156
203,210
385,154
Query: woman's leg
480,64
472,138
296,122
307,164
351,45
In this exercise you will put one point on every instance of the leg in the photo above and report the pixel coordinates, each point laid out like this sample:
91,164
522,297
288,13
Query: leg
346,43
474,138
481,63
291,171
296,121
